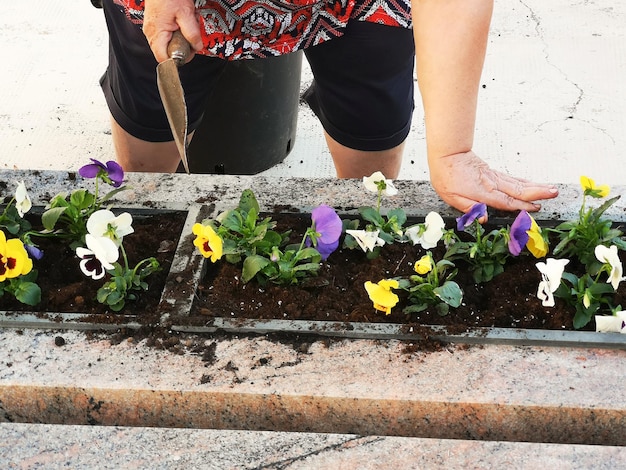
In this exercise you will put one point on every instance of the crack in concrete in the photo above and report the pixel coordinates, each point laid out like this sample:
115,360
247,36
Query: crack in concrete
573,108
283,464
534,17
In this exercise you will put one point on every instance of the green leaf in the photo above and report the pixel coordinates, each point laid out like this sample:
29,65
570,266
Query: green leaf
450,293
370,214
415,308
311,267
28,293
399,215
309,253
442,309
113,192
59,201
350,242
12,227
583,315
571,278
273,238
252,265
117,306
350,224
248,202
232,221
598,211
598,289
81,198
51,217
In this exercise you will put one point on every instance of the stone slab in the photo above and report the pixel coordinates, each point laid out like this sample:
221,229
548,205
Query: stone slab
181,191
87,447
350,387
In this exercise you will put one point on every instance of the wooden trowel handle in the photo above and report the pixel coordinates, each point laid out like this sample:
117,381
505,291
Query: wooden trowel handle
178,48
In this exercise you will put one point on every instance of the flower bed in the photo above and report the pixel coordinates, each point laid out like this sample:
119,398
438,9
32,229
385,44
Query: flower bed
79,260
474,291
488,310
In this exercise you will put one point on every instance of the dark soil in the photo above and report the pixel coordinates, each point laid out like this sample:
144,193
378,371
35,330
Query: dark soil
338,294
66,289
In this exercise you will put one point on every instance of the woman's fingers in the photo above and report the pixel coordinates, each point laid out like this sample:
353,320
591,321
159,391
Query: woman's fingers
463,180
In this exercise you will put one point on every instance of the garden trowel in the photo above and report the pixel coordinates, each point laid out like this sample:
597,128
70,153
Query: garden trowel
171,92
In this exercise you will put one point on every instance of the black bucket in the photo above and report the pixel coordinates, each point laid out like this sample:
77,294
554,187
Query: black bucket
250,120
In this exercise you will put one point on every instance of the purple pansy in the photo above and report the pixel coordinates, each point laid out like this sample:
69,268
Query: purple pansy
519,233
112,169
477,211
33,251
327,223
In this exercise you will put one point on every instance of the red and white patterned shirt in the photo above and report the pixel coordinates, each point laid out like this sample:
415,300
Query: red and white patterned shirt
246,29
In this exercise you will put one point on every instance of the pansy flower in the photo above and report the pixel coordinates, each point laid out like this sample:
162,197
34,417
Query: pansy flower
424,265
104,223
328,227
377,181
429,233
208,242
34,251
551,273
381,295
477,211
526,233
590,188
611,323
111,172
367,240
536,244
14,260
609,255
22,200
519,233
98,257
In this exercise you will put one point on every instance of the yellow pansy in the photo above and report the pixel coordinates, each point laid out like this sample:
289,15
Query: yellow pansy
590,188
208,242
14,260
536,244
424,265
380,294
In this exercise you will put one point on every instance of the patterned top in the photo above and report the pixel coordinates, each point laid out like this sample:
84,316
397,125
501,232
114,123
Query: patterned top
246,29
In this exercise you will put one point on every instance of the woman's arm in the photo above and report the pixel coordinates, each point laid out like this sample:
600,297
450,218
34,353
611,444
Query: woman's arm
450,41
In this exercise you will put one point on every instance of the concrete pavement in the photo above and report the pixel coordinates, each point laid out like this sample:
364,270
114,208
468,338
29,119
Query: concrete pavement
551,104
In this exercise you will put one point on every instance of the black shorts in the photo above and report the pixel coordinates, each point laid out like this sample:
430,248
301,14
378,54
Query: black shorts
362,94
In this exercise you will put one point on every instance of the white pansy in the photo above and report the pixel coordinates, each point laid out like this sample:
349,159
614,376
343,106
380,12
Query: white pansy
610,256
370,184
429,233
98,257
611,323
104,223
22,199
551,273
367,240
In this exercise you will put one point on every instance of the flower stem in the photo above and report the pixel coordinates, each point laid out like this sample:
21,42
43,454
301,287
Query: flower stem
124,257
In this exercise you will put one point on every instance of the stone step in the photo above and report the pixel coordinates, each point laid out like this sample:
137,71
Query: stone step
77,447
363,387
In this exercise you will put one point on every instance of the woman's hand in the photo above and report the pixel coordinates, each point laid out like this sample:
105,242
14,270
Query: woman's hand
463,179
162,17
